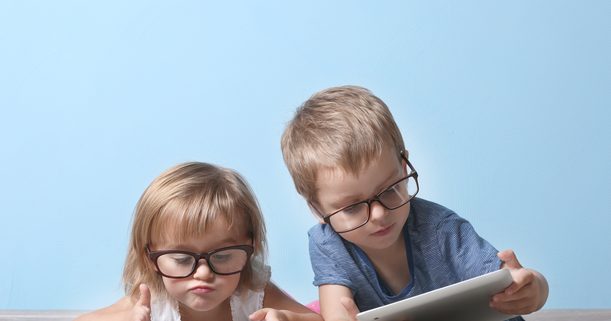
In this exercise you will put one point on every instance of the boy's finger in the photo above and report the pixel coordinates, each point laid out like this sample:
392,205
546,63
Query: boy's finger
145,296
504,297
521,278
514,307
509,259
350,306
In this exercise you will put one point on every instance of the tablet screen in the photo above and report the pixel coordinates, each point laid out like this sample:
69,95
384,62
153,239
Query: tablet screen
463,301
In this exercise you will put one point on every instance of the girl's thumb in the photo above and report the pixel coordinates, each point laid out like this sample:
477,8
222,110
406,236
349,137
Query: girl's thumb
145,296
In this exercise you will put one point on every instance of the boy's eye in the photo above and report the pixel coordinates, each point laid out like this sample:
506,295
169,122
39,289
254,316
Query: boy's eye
389,193
353,209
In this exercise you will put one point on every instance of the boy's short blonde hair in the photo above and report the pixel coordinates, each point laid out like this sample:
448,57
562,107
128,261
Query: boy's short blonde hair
185,201
343,128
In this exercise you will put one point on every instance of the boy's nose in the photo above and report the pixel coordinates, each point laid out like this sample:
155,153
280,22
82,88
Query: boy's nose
377,211
203,271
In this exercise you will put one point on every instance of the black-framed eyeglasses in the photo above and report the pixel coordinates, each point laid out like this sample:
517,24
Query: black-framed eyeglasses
355,215
181,264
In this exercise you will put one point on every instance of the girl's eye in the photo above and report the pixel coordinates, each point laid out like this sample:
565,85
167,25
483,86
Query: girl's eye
182,259
222,257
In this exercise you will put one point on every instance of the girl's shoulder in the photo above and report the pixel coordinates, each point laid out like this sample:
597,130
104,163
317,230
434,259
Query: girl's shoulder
245,302
119,311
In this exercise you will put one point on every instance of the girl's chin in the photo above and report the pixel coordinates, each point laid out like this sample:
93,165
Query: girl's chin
196,306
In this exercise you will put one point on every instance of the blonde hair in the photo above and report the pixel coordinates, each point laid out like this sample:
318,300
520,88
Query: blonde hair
185,201
340,127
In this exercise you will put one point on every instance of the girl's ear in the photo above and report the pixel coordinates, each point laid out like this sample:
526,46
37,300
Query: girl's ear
149,263
250,240
316,213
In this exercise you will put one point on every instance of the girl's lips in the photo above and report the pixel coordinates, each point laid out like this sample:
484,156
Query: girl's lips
201,289
383,231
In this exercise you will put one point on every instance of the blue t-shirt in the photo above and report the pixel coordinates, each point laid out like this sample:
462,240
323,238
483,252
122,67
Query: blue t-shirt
442,249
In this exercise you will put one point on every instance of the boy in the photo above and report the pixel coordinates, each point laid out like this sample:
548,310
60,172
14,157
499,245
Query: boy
377,243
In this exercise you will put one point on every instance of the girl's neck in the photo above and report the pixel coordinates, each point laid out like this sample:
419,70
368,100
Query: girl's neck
221,312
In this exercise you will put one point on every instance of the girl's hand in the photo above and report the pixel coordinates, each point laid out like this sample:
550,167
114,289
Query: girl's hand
526,294
268,314
142,309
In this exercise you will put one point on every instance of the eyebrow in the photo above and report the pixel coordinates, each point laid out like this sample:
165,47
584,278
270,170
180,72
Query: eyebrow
351,199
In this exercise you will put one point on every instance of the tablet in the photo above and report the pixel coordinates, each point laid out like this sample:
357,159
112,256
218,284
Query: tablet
463,301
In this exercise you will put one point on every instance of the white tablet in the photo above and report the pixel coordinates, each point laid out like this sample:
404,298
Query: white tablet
463,301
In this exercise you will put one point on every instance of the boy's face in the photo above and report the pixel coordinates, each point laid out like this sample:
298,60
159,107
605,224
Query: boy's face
337,189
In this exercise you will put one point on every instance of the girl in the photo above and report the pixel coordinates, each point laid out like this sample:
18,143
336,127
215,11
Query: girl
197,252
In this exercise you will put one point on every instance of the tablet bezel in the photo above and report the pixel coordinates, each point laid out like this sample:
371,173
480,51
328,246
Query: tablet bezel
470,298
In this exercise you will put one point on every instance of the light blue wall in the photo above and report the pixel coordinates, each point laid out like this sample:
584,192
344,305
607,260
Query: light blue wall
504,106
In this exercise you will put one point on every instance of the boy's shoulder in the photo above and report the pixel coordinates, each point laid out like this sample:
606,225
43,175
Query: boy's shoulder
323,233
424,212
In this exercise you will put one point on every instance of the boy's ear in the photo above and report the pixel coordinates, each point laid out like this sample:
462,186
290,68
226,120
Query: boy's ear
316,213
404,157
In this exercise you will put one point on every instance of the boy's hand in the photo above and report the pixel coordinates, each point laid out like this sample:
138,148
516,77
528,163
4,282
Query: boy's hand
268,314
142,309
526,294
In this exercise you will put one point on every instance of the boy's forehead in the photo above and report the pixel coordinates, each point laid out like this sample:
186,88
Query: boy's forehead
337,184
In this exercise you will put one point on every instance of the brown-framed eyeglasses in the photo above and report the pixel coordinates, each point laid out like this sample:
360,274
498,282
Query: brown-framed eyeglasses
181,264
355,215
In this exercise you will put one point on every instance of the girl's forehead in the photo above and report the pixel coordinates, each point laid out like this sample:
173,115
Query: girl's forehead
200,244
212,235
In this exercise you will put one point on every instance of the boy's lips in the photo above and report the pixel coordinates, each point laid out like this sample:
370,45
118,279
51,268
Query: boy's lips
383,231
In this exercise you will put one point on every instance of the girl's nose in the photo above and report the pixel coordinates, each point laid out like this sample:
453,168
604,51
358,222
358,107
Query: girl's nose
203,271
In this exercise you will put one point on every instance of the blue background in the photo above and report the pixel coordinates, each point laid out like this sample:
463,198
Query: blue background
504,106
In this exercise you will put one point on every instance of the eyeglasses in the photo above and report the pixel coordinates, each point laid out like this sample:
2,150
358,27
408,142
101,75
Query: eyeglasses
181,264
353,216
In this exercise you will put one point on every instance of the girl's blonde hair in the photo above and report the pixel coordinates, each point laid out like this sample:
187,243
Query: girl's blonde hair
343,128
183,202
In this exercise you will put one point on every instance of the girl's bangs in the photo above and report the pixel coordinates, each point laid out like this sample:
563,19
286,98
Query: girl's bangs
185,218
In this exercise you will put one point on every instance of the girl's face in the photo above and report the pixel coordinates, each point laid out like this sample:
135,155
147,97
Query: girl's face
204,290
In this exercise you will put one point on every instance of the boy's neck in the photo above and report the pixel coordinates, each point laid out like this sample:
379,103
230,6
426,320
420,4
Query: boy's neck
391,265
381,255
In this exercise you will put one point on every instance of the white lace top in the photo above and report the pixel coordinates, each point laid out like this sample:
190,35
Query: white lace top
241,307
